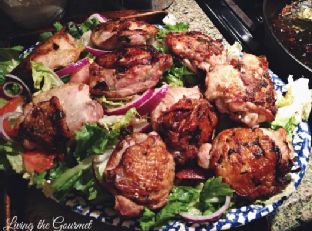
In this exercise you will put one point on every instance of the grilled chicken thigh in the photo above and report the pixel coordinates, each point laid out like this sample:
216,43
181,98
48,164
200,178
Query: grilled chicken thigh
196,50
140,172
127,71
186,126
253,162
244,90
121,33
186,122
57,51
58,113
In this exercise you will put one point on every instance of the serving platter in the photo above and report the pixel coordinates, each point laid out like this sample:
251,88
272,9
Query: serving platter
234,217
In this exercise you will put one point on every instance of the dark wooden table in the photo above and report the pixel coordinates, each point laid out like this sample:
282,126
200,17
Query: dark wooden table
28,204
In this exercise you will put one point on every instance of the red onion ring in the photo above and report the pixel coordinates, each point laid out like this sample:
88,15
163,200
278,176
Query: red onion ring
153,101
209,218
143,127
96,52
6,116
135,103
21,82
71,68
7,94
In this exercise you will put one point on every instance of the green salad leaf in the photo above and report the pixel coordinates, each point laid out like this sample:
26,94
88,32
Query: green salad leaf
294,106
9,59
10,157
179,77
94,139
44,78
78,30
185,199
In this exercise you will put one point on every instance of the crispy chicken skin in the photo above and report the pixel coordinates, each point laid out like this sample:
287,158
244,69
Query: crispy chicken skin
140,172
56,52
244,90
196,50
253,162
186,126
44,123
121,33
69,105
127,71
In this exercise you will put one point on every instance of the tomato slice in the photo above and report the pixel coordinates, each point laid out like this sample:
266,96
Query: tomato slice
37,161
9,127
12,105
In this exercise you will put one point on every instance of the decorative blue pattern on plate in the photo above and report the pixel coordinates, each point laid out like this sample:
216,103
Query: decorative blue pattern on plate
234,217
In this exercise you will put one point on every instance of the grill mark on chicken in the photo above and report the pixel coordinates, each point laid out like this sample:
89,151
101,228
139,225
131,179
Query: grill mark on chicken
196,50
127,71
122,33
251,162
44,124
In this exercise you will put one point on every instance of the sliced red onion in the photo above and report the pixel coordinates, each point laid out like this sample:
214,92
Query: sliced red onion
71,68
5,91
208,218
135,103
100,17
142,127
96,52
3,118
153,101
25,87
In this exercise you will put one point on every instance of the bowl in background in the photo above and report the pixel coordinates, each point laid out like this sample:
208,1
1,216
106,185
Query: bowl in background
32,14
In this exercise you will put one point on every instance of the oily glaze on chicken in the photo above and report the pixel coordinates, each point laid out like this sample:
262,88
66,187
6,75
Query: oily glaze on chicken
196,50
244,90
121,33
59,112
127,71
253,162
186,126
140,172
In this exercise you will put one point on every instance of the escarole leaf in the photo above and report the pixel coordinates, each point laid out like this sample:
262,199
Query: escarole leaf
188,199
44,78
295,106
179,77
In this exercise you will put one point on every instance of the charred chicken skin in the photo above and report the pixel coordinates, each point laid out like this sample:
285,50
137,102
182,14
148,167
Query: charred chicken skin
122,33
244,90
186,126
196,50
127,71
253,162
140,172
57,114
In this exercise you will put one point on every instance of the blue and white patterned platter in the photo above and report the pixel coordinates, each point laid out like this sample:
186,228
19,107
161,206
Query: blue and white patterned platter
234,217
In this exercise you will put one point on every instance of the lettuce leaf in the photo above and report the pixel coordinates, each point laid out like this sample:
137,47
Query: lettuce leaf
94,139
10,157
179,77
208,196
294,106
44,78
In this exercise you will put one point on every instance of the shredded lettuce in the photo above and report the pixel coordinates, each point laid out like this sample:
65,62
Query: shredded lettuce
78,30
108,103
10,157
44,78
294,106
179,77
203,199
9,59
94,139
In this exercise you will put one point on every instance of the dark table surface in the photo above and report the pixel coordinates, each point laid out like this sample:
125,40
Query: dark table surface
29,205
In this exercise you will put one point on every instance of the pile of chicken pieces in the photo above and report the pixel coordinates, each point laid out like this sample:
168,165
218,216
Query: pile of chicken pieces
141,170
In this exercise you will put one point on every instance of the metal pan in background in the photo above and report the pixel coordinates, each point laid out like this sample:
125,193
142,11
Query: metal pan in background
282,57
